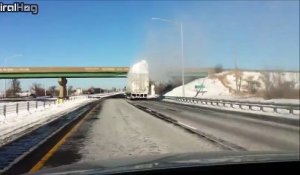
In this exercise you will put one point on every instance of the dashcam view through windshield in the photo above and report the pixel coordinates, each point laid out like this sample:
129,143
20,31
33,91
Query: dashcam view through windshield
125,86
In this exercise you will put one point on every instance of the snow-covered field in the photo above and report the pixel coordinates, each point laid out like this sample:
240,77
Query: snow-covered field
223,85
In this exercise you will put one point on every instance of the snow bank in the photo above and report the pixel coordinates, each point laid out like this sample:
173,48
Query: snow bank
213,88
11,126
223,85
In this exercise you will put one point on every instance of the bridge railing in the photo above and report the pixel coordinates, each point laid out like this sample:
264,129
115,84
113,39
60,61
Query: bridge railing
243,105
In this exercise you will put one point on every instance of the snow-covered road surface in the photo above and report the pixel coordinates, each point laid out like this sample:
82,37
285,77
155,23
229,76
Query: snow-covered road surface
252,134
119,130
122,131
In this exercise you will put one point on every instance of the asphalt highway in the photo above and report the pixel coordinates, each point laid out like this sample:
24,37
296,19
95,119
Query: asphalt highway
118,129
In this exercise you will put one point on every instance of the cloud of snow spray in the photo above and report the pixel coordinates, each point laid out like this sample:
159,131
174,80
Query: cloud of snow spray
162,49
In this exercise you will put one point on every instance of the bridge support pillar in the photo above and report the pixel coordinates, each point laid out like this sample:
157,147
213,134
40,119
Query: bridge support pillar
62,90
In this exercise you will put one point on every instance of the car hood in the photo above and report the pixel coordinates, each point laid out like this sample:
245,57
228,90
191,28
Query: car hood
131,164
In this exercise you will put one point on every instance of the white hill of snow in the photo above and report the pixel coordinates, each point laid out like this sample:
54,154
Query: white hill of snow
223,85
213,87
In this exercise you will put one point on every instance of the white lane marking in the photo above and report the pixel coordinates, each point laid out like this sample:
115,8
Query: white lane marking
191,127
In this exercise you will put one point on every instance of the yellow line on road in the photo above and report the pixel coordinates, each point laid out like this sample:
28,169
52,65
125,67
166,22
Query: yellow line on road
49,154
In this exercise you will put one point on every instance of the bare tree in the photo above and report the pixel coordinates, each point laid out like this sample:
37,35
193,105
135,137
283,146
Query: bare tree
37,89
238,79
53,91
91,90
70,90
218,68
15,87
238,74
277,87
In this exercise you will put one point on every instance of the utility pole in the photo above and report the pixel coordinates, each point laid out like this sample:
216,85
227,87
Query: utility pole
236,70
45,90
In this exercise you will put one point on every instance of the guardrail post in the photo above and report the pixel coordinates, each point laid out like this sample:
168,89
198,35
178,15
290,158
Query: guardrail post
36,104
240,106
231,105
28,106
250,107
224,104
4,110
291,110
17,108
275,109
261,108
44,104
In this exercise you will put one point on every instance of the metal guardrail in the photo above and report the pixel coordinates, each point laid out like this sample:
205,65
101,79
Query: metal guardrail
262,106
30,106
16,108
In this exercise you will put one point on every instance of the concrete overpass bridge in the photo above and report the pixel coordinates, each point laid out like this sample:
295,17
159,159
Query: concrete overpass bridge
80,72
66,72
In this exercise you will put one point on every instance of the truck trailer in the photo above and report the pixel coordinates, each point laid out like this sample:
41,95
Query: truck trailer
138,81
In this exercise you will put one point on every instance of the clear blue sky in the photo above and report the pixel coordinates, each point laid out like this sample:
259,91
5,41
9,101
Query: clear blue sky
262,34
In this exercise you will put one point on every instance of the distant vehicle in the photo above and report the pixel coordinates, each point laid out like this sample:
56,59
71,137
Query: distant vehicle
32,96
138,81
23,94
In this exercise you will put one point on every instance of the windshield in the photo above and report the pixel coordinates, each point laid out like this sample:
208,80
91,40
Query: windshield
126,82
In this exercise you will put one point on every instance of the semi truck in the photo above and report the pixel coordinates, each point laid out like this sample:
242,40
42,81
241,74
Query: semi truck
138,81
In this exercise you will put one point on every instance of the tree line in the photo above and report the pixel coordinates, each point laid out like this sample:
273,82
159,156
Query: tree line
36,89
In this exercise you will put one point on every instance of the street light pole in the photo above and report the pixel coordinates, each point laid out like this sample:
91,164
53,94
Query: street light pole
182,61
182,56
5,60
